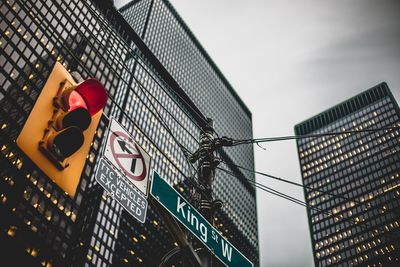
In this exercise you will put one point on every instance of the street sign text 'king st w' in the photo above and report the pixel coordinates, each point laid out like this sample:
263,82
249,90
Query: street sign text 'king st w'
185,213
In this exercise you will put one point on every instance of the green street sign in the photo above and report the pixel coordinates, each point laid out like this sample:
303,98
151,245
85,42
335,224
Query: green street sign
184,212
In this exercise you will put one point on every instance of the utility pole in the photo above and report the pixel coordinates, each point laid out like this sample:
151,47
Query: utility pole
202,196
207,163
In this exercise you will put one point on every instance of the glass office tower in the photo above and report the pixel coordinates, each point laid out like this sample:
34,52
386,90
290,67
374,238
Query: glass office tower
169,38
40,224
354,210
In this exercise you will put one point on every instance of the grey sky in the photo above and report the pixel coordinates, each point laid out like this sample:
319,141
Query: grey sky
289,60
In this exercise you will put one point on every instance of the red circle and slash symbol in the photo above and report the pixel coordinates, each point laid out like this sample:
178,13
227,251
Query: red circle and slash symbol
126,144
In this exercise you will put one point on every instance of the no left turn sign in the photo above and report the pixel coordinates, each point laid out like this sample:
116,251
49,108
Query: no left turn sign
128,157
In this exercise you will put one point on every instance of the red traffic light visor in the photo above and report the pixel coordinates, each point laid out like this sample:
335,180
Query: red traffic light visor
89,94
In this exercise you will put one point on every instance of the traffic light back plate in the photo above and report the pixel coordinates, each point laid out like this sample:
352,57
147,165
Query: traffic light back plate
33,131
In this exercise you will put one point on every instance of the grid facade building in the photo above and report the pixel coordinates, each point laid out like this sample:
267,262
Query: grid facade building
166,34
40,223
354,210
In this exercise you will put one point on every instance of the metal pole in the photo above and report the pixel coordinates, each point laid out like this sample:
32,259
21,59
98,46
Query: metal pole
205,170
207,164
205,174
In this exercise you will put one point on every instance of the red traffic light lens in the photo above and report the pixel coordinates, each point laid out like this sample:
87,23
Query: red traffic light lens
75,101
89,94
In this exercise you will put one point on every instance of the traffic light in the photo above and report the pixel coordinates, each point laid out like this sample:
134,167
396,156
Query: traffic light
60,128
74,107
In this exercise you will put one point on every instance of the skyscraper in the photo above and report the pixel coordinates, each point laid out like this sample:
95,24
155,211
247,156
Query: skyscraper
354,210
149,87
169,38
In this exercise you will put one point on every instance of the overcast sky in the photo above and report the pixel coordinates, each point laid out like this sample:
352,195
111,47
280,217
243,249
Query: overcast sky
289,60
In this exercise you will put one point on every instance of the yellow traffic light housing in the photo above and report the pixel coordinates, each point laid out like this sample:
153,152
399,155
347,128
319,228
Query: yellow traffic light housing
61,126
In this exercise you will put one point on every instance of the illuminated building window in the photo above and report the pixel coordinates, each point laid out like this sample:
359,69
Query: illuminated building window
360,168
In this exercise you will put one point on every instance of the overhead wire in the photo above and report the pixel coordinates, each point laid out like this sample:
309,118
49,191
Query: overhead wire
275,192
324,192
335,195
296,137
363,225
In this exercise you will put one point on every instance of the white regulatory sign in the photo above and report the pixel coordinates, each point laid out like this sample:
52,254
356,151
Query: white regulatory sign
128,157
